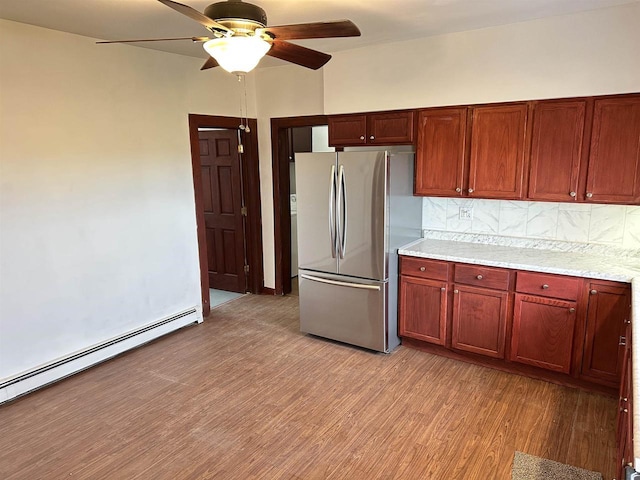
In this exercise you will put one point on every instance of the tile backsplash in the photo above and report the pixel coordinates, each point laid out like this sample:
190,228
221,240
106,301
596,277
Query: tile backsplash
615,225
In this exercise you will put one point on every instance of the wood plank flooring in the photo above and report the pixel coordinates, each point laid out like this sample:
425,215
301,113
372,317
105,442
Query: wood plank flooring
245,395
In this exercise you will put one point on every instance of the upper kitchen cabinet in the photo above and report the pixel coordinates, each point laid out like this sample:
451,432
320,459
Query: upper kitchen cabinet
556,150
384,128
440,152
497,156
613,174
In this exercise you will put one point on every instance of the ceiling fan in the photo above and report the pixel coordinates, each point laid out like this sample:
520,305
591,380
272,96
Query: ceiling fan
241,37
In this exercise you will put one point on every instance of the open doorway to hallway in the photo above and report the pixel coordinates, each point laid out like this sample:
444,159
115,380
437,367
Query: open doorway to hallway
227,202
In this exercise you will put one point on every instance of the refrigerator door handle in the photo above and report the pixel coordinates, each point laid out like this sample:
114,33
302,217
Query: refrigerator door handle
342,212
341,284
332,212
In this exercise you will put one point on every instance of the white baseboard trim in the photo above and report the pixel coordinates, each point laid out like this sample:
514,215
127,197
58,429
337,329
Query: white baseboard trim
18,385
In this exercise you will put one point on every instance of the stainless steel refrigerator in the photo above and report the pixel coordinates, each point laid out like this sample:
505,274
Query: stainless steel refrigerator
355,209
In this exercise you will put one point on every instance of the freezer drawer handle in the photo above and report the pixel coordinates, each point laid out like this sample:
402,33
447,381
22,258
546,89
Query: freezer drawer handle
341,284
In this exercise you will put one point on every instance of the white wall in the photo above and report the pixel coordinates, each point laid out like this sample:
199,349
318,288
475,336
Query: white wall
585,54
284,91
97,223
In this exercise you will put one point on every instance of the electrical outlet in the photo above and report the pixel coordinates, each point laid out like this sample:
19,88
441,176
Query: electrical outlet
466,213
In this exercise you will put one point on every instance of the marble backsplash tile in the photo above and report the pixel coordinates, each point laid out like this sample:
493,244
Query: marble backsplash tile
615,225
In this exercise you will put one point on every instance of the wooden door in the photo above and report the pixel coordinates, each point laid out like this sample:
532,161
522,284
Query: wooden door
390,128
556,150
423,309
614,159
347,130
543,332
222,189
607,314
440,152
479,320
624,431
496,163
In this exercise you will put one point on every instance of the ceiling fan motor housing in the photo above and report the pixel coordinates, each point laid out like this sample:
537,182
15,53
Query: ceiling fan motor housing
238,12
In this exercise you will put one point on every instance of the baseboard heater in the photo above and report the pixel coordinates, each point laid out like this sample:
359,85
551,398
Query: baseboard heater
46,374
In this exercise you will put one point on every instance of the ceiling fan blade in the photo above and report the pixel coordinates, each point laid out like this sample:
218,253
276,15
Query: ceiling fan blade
210,63
338,28
194,14
193,39
299,55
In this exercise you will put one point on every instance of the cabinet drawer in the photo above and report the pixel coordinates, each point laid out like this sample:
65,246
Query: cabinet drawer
548,285
423,268
488,277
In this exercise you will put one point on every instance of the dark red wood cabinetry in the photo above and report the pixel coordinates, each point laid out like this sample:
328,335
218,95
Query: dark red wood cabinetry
440,155
566,329
624,432
496,161
608,313
614,159
556,150
379,128
423,300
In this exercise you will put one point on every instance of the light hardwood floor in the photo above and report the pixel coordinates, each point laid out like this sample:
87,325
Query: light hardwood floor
245,395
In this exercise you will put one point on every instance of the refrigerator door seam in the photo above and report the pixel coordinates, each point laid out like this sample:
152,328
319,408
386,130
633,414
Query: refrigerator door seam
341,284
332,219
342,212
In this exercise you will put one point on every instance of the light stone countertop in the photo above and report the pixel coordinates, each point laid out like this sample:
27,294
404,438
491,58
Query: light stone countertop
574,263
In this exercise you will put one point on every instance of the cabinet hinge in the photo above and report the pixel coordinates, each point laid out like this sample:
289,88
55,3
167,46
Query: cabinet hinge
243,211
246,269
623,341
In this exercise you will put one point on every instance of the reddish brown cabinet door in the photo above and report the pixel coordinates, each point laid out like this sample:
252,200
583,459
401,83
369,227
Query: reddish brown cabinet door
614,159
624,432
543,331
423,309
556,150
496,163
607,315
390,128
382,128
347,130
479,320
440,152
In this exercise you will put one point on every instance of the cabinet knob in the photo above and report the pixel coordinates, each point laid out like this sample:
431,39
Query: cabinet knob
625,399
479,277
545,286
455,291
624,410
458,189
589,195
470,190
593,292
422,269
443,289
572,194
372,137
572,310
361,137
627,321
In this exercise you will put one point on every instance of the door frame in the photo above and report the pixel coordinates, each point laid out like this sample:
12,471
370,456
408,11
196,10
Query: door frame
251,180
281,192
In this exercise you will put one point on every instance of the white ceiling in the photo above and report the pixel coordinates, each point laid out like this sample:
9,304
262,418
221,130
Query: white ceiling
381,21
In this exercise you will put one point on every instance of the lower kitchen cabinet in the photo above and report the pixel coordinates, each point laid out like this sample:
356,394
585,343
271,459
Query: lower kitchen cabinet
569,330
543,332
624,432
423,307
608,314
479,320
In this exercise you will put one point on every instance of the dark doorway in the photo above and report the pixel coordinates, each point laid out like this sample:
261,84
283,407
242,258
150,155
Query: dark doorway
213,195
283,148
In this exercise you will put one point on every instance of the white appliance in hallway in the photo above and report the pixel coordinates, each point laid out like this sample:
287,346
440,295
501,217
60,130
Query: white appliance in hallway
354,210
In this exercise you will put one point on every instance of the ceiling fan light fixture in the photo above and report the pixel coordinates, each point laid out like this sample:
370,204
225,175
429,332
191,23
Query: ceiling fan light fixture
238,54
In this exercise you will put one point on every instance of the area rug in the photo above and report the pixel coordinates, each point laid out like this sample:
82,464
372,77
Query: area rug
528,467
